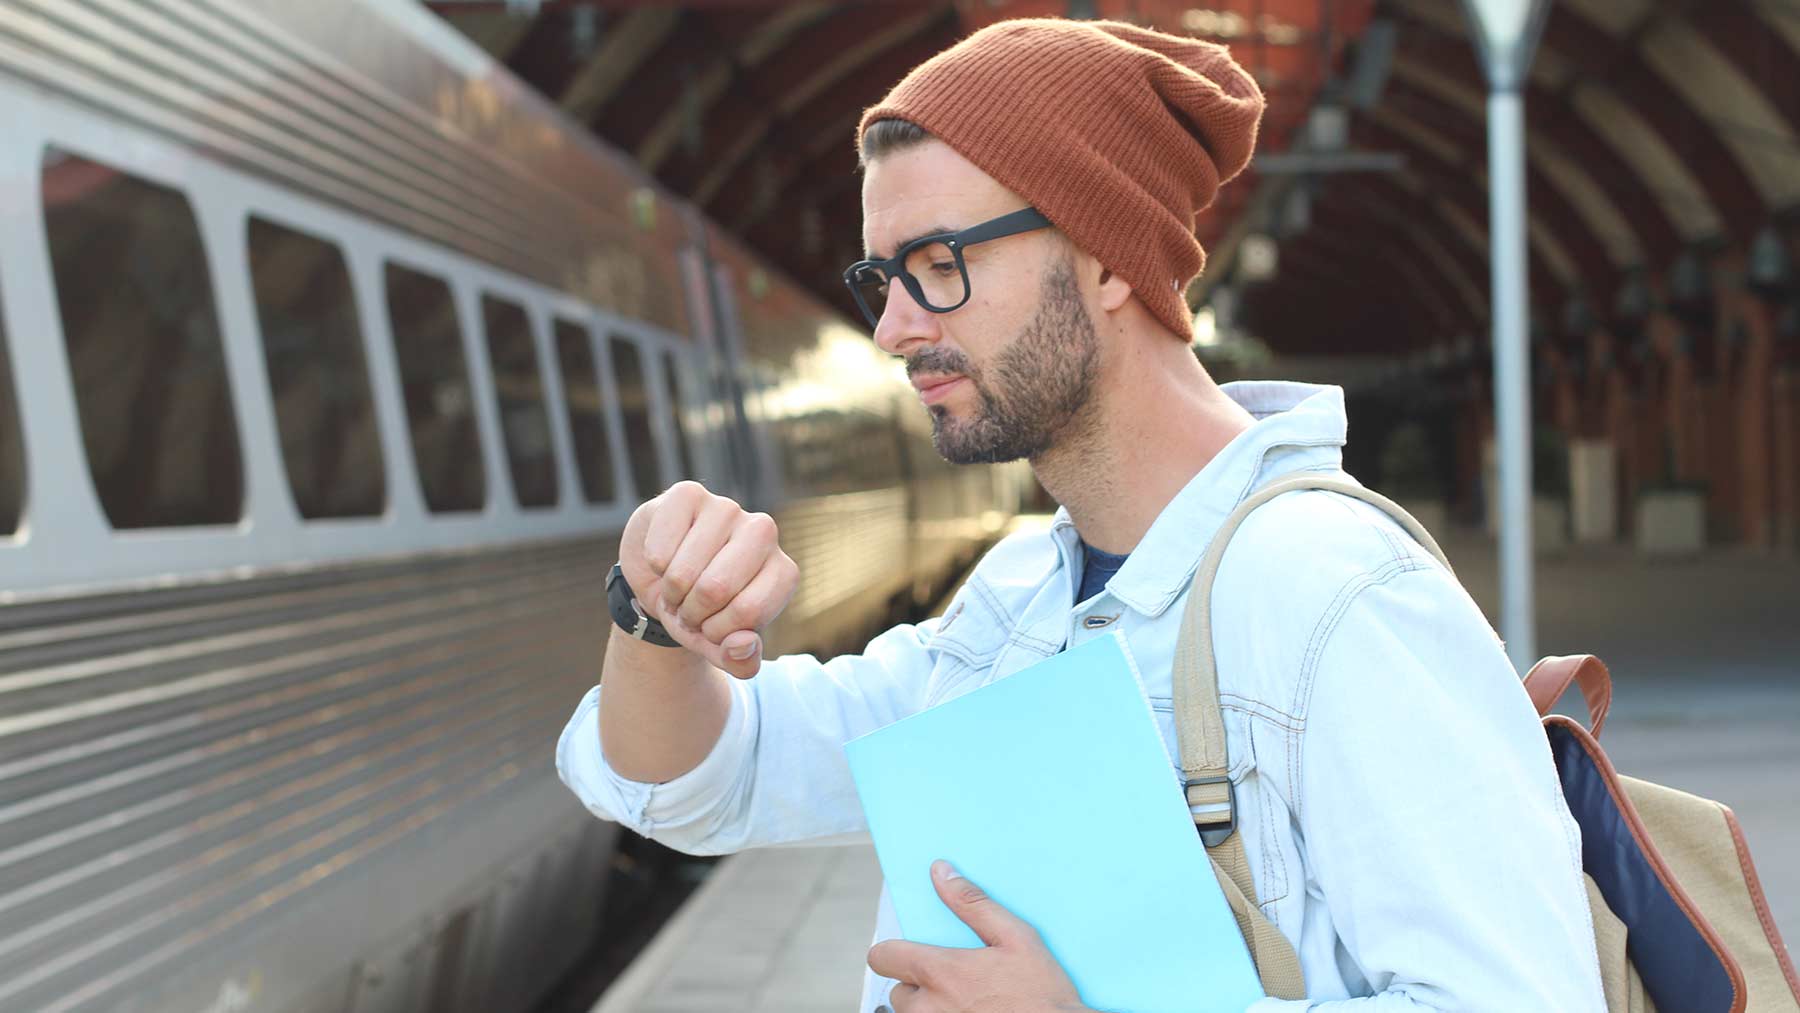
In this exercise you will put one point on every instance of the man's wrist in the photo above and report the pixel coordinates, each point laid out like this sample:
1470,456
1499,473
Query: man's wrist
628,613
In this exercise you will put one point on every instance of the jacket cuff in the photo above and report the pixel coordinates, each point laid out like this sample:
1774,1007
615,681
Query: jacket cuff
642,806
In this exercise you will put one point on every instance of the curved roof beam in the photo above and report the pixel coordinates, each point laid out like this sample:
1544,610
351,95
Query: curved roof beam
792,77
1610,77
1336,315
694,63
1566,238
1602,242
685,119
1550,265
828,125
1444,65
1598,72
544,56
1744,77
624,46
1373,212
1384,264
1783,17
1453,171
1456,235
1461,279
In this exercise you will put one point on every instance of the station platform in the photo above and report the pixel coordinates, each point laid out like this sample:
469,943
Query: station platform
1705,656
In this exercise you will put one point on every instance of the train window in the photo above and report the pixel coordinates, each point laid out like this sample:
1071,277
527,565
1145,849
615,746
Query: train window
634,406
519,393
581,396
435,376
313,352
678,416
144,349
12,453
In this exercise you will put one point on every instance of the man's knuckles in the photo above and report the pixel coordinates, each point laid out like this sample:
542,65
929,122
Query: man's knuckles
686,492
759,526
746,612
677,580
710,594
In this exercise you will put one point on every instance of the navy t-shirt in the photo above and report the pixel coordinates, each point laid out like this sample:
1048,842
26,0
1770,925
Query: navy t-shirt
1096,569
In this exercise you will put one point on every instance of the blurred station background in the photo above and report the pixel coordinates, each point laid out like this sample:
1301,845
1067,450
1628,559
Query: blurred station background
339,339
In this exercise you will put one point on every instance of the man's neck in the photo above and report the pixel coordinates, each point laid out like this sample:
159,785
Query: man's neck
1161,422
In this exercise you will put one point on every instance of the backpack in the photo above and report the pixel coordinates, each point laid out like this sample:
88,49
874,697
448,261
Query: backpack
1680,921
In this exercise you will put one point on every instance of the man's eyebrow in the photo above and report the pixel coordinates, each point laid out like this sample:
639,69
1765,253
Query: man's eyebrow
935,230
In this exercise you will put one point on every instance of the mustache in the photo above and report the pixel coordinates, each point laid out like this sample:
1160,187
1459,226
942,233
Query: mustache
938,360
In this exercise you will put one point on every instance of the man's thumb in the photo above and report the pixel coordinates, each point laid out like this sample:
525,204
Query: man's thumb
970,903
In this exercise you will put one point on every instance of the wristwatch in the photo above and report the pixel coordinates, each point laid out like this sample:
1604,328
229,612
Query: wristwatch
630,615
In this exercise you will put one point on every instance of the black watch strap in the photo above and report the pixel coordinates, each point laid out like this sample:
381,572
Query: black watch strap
629,615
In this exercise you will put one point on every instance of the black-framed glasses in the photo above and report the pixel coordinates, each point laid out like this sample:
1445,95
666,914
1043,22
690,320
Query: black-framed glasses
931,267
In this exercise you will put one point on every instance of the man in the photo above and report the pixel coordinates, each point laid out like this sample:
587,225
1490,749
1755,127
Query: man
1403,822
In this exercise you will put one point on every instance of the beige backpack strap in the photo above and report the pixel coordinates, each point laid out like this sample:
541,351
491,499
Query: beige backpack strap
1200,732
1277,965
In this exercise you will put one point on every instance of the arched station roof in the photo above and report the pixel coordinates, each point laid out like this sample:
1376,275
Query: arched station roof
1658,131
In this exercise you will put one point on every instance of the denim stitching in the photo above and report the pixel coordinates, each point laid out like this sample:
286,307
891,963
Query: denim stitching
988,599
1305,663
1273,717
1251,482
1328,624
1244,705
967,649
1020,637
1270,847
1264,831
1395,552
1250,702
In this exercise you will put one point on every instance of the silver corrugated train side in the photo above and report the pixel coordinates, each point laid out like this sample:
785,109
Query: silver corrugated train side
296,763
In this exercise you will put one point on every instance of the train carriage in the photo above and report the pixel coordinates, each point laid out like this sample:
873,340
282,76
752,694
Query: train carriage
332,363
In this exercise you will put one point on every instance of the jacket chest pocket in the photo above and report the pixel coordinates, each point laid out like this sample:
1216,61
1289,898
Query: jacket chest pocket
1240,746
1269,846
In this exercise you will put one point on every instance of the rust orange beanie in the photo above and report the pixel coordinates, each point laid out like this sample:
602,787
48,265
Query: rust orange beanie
1120,135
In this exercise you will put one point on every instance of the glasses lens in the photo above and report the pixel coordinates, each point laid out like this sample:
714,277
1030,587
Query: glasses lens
872,289
939,274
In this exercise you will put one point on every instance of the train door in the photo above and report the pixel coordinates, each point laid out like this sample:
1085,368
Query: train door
746,451
720,350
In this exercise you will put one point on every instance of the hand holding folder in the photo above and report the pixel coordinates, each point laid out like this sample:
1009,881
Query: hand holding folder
1013,967
1052,790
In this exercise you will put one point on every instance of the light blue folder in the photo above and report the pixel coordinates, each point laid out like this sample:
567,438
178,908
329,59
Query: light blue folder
1051,790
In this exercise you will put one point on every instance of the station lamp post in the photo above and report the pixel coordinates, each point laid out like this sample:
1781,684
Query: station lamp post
1506,35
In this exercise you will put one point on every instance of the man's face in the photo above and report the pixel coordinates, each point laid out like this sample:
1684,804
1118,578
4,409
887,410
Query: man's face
1012,371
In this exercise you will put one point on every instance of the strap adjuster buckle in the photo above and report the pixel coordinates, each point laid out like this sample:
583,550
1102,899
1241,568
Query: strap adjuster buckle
1213,832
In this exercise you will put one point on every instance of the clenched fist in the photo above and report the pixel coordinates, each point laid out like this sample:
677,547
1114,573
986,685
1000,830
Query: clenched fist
710,572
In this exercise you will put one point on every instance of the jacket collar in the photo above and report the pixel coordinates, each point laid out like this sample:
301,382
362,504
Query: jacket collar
1299,427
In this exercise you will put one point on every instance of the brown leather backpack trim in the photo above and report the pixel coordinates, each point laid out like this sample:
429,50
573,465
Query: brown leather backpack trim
1762,902
1550,677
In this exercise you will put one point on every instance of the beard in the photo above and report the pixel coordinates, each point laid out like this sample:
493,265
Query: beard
1034,391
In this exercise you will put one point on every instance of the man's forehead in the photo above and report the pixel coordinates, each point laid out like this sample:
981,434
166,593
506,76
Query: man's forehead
925,189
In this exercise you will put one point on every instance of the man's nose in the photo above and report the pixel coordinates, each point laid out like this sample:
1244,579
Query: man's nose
904,324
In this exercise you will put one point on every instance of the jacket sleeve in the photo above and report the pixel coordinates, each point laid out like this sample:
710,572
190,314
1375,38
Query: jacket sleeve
777,774
1433,823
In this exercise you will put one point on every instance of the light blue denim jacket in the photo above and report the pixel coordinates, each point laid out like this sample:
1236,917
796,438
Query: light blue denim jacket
1396,797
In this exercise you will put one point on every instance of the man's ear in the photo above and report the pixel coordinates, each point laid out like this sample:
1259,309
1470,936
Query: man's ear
1114,290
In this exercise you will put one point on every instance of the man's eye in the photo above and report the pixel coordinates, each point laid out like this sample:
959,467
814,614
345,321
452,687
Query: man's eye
944,268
